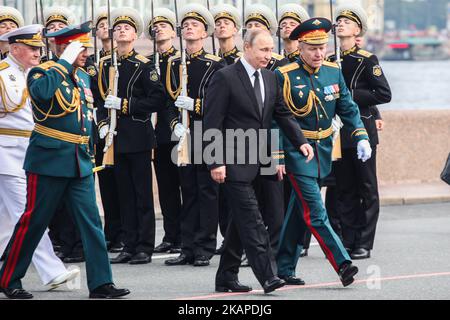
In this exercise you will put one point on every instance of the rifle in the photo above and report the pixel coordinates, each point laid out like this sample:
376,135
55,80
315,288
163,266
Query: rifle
183,145
44,32
94,36
244,29
278,28
212,36
108,157
153,36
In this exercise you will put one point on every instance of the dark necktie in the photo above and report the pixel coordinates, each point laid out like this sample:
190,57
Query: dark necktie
257,88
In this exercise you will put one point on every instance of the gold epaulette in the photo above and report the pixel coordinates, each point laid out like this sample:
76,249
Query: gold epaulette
277,56
239,54
212,57
328,57
143,59
289,67
47,65
4,65
331,64
365,53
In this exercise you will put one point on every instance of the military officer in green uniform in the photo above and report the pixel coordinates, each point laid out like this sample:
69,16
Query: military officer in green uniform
59,163
315,91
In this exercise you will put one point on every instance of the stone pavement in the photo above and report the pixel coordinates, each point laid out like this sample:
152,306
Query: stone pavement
410,261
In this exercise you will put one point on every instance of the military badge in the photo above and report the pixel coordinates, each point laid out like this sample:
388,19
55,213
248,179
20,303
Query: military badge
331,92
377,72
154,76
92,71
37,76
12,78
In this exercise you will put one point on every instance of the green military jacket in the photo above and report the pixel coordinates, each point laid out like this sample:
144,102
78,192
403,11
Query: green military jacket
62,104
315,97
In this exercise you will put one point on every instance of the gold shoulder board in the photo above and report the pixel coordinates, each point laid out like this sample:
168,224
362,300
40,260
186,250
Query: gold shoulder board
142,58
212,57
277,56
4,65
331,64
289,67
365,53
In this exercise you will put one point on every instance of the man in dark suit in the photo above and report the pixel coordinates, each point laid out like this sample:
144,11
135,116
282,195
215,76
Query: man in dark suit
245,96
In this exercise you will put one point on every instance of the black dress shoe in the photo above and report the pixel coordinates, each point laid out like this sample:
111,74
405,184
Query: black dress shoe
175,249
346,273
141,258
219,250
163,247
273,284
16,293
201,261
123,257
181,260
304,253
233,286
116,247
360,253
74,257
293,281
108,291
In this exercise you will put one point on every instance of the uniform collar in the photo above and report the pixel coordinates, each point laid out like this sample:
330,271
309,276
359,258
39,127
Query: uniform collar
233,51
13,61
168,52
309,69
196,54
347,52
293,55
126,56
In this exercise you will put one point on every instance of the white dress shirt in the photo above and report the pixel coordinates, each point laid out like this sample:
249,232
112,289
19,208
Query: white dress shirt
251,73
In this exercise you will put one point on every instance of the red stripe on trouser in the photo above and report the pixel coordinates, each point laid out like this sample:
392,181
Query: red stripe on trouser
307,217
20,234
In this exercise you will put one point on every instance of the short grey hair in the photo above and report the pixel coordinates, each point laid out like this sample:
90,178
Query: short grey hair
251,35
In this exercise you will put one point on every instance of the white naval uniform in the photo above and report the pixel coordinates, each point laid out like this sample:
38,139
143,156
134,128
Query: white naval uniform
13,185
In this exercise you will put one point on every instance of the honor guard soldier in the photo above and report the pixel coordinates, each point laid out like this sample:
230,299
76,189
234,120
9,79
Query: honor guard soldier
290,16
55,19
10,19
314,91
163,27
140,93
358,203
106,178
261,16
16,124
228,24
59,166
199,192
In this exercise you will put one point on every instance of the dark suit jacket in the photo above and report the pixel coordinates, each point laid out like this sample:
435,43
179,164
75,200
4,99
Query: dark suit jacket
231,104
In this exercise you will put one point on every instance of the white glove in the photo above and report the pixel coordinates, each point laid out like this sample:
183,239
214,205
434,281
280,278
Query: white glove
112,102
72,51
184,102
336,124
103,131
364,150
179,130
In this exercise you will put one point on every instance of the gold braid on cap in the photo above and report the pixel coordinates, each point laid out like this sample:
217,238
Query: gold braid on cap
125,19
258,16
157,19
226,15
57,17
195,15
292,15
9,17
351,15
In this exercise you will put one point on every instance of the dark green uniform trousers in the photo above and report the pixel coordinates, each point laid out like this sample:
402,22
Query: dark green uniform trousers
44,194
307,211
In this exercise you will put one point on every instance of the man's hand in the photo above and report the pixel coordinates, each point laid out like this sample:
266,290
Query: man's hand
184,102
179,130
103,131
112,102
281,171
219,174
379,124
364,150
307,151
72,51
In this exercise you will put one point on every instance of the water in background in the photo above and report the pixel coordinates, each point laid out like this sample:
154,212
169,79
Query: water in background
418,84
